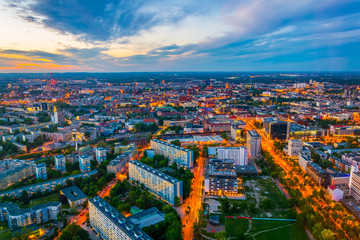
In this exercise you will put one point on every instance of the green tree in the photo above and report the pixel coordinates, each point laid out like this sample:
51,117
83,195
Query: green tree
176,142
327,234
220,236
177,201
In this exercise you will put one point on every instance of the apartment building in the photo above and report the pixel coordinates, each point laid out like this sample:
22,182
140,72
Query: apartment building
37,214
253,143
162,185
181,156
220,177
111,224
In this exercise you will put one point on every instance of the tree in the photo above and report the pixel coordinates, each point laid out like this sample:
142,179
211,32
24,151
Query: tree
327,234
24,197
176,142
266,203
177,201
220,236
224,135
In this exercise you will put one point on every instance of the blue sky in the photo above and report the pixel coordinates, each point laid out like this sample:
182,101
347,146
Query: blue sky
159,35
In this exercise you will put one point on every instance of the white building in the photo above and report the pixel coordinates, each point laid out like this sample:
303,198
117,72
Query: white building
354,184
304,159
60,163
40,170
100,154
335,193
84,161
111,224
238,154
157,182
253,143
294,147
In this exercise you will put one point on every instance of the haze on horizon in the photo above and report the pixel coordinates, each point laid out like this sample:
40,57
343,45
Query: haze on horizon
158,35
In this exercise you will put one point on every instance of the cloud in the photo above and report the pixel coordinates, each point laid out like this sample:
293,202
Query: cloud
184,35
104,20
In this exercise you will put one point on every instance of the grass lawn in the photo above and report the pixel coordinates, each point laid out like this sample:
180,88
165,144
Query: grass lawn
262,189
293,232
51,198
271,191
260,225
235,227
3,226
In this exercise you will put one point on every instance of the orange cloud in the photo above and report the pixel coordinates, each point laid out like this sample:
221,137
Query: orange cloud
38,66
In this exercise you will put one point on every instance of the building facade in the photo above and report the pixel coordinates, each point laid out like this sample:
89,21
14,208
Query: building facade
111,224
181,156
253,143
304,159
162,185
119,163
235,131
60,163
276,129
238,154
40,170
15,171
49,185
220,177
294,147
84,161
38,214
100,154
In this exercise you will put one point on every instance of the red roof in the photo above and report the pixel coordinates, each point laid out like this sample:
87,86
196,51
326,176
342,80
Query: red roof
332,187
149,120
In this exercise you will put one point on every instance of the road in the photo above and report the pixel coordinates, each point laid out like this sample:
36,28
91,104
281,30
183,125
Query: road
194,201
267,145
81,217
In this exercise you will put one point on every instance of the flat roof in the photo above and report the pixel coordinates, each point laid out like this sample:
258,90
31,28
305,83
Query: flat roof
155,171
254,133
73,193
130,229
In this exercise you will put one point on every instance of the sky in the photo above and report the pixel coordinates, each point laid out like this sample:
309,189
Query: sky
186,35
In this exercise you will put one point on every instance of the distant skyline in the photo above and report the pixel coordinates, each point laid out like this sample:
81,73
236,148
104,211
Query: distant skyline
212,35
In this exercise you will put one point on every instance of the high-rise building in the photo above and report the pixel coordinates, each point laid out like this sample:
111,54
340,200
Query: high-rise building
294,147
56,117
276,129
354,184
162,185
84,161
181,156
100,154
236,129
220,177
253,143
111,224
60,163
44,106
40,170
238,154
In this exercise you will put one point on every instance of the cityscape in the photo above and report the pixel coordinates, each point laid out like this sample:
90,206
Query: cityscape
194,120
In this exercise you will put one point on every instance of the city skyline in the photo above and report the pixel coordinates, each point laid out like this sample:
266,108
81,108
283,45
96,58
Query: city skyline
119,36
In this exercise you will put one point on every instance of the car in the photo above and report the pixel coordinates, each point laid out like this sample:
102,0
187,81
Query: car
75,221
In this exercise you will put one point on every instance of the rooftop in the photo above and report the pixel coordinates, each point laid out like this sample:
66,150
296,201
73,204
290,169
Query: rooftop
130,229
155,171
73,193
